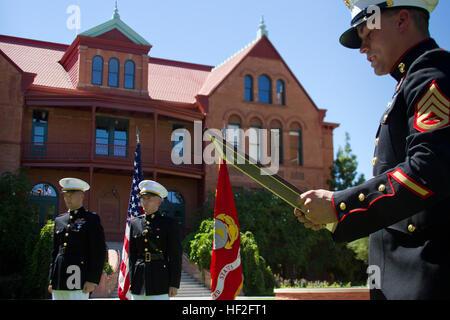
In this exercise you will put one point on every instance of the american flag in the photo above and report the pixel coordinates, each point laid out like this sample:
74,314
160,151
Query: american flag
134,209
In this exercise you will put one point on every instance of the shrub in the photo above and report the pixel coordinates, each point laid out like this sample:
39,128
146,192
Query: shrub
258,278
19,231
38,273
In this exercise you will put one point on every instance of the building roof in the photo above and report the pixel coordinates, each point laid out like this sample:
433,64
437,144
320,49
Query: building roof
38,57
175,81
168,80
219,73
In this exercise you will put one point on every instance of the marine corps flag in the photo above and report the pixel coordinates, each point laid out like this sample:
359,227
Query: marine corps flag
226,271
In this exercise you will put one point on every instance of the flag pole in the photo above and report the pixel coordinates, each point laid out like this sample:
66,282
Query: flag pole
137,134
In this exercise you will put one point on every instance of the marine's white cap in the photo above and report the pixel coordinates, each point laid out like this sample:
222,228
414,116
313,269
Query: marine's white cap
73,184
152,187
361,11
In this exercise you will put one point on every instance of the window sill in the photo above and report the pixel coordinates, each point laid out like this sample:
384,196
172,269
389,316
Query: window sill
264,104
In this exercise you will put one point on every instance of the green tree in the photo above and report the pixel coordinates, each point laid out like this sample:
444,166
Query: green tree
19,231
37,275
343,172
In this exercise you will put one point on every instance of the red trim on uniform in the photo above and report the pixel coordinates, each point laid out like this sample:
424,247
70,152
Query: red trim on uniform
334,207
427,192
373,201
406,52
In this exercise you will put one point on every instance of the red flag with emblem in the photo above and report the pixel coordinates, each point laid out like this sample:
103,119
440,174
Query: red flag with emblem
226,271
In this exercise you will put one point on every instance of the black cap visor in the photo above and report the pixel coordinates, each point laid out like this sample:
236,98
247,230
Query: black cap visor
350,38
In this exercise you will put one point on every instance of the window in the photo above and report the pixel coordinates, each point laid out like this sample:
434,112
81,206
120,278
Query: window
43,190
178,144
280,93
97,70
39,132
296,147
248,84
174,206
111,137
128,81
264,89
233,134
175,197
120,141
280,142
254,139
44,199
113,72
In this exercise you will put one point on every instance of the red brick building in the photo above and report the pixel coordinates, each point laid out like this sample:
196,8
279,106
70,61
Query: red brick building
73,110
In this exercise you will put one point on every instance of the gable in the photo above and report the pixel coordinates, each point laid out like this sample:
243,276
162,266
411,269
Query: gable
264,49
116,29
115,35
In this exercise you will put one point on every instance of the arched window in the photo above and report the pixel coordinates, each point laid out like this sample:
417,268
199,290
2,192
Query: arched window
264,89
43,199
97,70
128,81
277,129
248,85
233,133
113,72
296,144
281,93
254,139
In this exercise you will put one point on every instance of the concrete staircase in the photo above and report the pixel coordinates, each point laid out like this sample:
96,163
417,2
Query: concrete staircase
189,287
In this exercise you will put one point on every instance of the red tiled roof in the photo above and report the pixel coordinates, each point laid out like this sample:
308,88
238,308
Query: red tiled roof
175,81
38,57
219,73
168,80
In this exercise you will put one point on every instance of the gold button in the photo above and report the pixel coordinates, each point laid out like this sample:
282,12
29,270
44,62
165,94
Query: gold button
70,217
157,237
402,67
381,187
67,234
82,262
65,244
145,240
76,211
145,249
68,226
376,141
148,223
342,206
411,228
361,197
374,160
385,117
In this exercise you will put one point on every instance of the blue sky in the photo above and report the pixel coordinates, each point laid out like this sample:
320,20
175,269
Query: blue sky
305,34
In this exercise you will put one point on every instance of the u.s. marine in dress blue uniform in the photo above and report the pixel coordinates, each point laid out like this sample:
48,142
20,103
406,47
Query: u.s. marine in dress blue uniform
79,250
155,248
405,207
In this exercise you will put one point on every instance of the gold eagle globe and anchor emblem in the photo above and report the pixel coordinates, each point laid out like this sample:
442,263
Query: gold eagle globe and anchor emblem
225,232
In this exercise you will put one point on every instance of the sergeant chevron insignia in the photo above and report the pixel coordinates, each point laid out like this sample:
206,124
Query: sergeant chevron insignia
432,110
